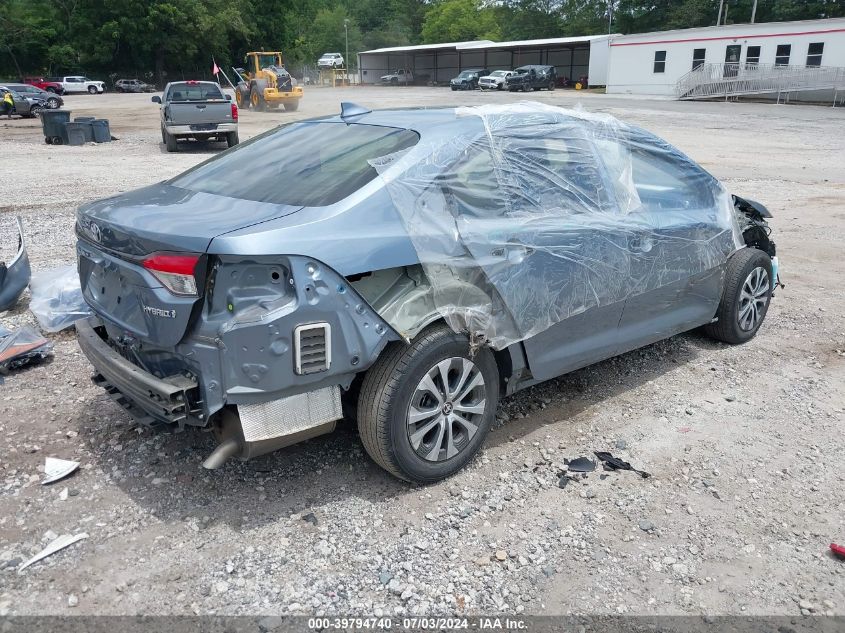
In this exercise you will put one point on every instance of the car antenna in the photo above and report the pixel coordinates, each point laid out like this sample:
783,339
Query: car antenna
349,110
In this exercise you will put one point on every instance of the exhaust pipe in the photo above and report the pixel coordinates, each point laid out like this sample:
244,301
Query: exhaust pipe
225,450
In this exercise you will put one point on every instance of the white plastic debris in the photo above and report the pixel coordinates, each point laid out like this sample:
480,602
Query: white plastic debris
59,543
55,469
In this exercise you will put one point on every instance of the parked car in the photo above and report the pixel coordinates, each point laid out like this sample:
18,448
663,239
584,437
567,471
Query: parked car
45,84
528,78
330,60
78,83
399,76
495,80
51,100
196,110
468,79
258,292
25,107
133,85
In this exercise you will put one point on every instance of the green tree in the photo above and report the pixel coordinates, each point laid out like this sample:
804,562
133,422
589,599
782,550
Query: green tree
459,20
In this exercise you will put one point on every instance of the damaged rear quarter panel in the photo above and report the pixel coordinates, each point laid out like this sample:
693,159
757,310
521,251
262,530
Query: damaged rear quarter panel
254,304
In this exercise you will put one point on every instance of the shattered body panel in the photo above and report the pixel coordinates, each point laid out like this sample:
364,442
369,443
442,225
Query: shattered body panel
15,276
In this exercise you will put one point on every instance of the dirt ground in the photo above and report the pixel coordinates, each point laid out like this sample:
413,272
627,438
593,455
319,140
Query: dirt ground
745,444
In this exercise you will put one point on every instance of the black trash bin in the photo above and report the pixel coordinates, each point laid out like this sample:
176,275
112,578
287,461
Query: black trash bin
53,124
102,133
76,132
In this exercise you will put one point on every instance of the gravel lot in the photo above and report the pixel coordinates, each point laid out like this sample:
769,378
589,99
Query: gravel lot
745,444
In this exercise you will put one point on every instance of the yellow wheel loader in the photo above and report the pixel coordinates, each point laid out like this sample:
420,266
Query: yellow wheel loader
265,83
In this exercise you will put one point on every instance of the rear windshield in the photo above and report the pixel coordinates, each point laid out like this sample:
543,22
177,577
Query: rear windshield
194,92
310,164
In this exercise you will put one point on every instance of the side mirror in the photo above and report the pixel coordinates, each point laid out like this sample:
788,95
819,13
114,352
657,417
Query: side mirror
156,99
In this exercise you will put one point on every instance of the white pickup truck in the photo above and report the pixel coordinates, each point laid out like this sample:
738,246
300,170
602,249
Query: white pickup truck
196,110
78,83
399,76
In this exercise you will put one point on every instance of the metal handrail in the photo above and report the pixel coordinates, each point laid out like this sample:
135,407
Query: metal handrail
732,79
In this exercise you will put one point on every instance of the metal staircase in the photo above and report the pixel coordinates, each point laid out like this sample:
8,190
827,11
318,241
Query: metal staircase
713,81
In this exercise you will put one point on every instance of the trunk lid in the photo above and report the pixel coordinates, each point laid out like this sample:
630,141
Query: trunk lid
117,234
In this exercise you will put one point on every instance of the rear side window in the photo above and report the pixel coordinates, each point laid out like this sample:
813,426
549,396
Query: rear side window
303,164
193,92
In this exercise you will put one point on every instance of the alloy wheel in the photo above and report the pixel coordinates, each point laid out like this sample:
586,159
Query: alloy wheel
753,298
446,409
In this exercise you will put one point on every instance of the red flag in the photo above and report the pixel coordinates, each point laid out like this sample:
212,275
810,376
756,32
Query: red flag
215,68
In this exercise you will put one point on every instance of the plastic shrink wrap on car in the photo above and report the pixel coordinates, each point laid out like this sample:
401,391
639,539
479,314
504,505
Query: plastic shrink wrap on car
540,213
57,300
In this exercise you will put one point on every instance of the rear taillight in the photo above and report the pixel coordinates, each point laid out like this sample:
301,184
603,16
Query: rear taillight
234,112
175,272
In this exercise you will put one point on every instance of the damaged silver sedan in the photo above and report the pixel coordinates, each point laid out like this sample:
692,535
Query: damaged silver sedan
409,269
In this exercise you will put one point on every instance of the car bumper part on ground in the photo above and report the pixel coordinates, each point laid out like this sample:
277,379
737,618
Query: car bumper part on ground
14,276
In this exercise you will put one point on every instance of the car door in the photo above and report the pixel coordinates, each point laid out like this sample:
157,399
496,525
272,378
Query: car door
679,238
531,212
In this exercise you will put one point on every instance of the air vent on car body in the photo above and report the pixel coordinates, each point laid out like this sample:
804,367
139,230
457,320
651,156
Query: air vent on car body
312,348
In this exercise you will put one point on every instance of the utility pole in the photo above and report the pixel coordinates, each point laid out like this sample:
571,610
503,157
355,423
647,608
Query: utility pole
719,17
346,59
753,11
610,16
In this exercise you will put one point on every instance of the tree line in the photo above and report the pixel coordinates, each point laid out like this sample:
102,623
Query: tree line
155,37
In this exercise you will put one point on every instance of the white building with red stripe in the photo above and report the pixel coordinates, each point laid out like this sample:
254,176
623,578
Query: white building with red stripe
652,63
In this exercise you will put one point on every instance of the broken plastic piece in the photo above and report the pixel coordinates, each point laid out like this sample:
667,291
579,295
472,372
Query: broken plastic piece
57,300
839,550
582,465
56,469
614,463
14,276
22,347
59,543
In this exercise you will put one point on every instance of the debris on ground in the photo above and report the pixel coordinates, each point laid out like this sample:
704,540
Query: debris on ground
58,543
57,300
614,463
838,550
56,469
581,465
22,347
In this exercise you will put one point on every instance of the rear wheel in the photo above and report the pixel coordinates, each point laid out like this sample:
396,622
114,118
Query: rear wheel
232,139
92,90
746,297
53,103
426,408
291,106
171,142
34,111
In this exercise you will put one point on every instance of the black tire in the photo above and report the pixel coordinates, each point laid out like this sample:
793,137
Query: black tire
291,106
730,327
453,88
395,81
170,142
256,99
57,140
551,86
92,90
35,111
385,399
232,139
163,135
48,140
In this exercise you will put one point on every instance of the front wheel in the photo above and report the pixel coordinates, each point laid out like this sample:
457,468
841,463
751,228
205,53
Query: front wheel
92,90
52,103
256,99
746,297
425,409
34,111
